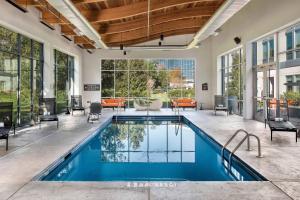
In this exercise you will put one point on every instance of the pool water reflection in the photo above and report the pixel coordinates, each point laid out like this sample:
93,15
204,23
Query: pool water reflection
146,150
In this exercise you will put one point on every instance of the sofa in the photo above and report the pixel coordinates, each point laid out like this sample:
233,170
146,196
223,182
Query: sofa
113,103
184,103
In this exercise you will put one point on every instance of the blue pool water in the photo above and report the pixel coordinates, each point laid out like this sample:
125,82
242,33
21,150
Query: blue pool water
152,149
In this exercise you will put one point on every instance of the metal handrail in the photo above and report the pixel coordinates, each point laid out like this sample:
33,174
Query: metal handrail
177,129
119,106
232,137
246,137
241,142
258,145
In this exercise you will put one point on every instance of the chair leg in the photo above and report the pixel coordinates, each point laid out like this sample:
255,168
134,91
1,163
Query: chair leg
72,112
57,123
296,137
271,135
7,143
40,125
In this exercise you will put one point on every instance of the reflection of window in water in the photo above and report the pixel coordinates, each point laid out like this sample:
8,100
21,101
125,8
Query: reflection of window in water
163,142
2,86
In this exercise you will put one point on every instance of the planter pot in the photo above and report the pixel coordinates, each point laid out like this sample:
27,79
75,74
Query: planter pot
232,104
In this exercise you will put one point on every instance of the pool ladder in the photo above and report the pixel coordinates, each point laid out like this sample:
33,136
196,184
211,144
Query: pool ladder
117,114
246,137
176,109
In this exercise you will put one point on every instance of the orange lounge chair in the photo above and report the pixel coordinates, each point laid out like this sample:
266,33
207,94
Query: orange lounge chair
113,103
184,103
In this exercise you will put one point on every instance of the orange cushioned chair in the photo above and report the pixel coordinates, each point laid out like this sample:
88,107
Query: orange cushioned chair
184,103
113,103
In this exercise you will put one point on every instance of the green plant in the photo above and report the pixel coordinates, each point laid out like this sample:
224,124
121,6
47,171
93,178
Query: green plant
293,96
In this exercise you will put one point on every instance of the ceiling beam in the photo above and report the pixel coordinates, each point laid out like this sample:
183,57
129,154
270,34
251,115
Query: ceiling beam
52,18
88,46
134,9
86,1
155,36
27,2
156,19
67,30
82,40
155,30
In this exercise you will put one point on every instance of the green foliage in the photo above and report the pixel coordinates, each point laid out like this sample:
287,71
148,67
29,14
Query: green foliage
291,95
9,58
142,80
234,85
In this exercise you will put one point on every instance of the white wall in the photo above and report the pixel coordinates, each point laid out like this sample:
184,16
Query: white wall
256,19
91,72
28,24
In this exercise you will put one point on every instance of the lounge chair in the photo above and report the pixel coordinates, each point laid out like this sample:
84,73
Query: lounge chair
113,103
184,103
280,121
141,105
6,109
76,104
221,104
95,111
47,110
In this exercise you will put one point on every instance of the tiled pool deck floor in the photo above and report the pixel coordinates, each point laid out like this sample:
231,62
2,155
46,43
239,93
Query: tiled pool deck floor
33,149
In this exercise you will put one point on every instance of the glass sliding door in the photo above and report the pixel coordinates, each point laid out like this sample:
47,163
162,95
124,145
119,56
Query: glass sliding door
265,90
9,80
21,79
64,76
232,80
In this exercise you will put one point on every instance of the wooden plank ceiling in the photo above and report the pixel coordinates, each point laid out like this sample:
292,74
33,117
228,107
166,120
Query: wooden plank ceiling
130,22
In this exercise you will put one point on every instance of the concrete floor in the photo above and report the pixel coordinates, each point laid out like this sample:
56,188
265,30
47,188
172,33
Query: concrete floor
33,149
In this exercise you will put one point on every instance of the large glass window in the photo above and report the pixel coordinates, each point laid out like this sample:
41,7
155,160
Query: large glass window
64,79
277,83
289,45
148,79
232,80
297,42
21,64
268,50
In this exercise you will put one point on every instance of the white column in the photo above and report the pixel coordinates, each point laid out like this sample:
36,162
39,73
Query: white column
248,84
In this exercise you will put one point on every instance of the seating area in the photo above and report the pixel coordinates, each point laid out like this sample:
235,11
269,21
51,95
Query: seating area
143,105
149,99
47,111
113,103
6,121
278,118
221,104
76,104
184,103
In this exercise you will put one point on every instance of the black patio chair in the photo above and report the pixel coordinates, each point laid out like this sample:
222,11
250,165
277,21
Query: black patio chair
280,121
95,111
6,117
76,104
221,104
47,110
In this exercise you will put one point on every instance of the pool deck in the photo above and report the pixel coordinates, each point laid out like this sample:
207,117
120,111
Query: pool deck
33,149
